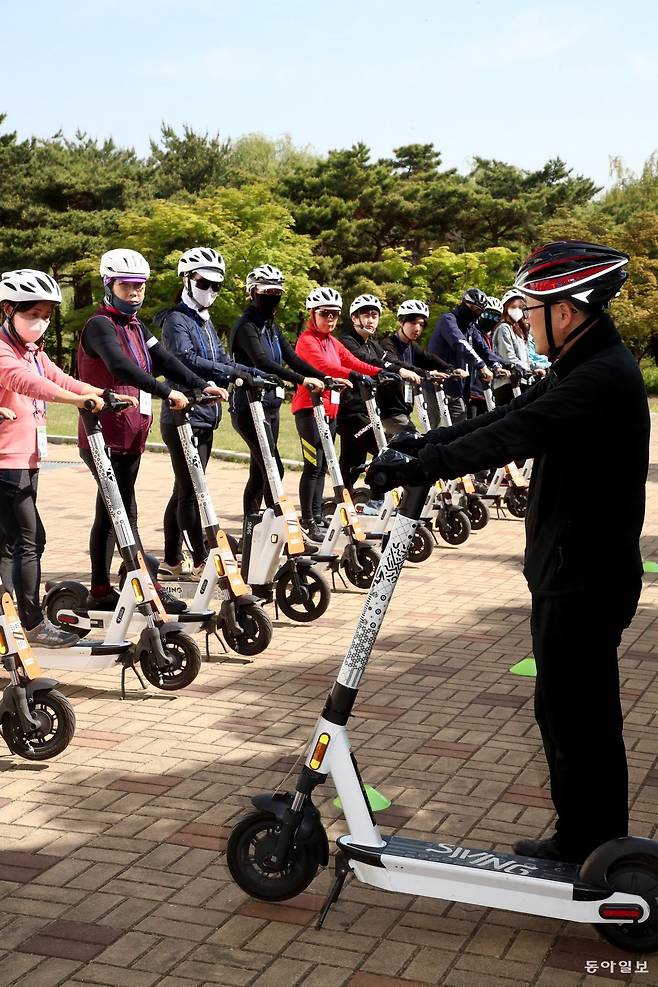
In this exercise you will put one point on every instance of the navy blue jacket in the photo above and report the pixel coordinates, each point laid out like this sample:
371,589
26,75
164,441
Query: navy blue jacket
450,341
492,359
196,344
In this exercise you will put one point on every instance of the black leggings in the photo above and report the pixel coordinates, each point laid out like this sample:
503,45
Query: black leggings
101,537
356,441
182,511
257,485
21,527
311,485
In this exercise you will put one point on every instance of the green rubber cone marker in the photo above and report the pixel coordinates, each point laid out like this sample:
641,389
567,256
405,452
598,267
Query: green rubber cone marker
650,566
525,667
376,800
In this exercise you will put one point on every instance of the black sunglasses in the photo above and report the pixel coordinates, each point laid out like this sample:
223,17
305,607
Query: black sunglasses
328,313
205,285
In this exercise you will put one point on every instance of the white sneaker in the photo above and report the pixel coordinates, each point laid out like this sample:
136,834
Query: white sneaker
181,569
373,508
196,572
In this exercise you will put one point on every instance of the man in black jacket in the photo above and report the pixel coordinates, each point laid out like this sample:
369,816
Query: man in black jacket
357,439
583,567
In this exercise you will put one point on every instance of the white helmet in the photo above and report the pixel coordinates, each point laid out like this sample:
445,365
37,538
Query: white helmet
124,263
365,301
204,261
509,295
324,296
494,305
412,306
29,286
266,276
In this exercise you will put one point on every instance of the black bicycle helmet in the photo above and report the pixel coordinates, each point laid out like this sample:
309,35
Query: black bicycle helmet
587,274
476,297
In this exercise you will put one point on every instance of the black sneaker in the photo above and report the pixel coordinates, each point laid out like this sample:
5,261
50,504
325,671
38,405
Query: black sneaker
107,602
322,522
312,531
171,603
548,849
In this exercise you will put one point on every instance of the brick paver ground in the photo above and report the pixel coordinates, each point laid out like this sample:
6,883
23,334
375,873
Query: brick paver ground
112,867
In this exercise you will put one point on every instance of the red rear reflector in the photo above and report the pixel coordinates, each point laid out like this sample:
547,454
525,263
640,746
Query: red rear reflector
629,912
67,618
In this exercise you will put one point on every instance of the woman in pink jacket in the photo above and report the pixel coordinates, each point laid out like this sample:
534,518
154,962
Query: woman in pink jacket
28,378
318,347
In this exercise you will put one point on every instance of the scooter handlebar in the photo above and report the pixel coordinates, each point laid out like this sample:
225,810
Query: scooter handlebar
260,383
113,402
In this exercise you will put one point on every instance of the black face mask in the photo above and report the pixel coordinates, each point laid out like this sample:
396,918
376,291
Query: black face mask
465,315
267,304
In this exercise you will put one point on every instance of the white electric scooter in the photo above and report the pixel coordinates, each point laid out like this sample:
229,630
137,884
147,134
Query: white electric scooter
274,560
275,852
508,487
169,659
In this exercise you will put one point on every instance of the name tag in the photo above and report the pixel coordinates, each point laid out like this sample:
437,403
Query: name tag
280,393
335,397
145,403
408,394
42,442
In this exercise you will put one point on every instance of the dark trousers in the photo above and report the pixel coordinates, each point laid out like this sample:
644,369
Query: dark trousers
101,537
311,484
257,486
182,511
578,709
22,541
357,440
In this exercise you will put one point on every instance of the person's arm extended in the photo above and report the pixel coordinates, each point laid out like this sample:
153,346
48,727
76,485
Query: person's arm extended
297,362
430,361
504,344
450,331
178,339
99,339
251,344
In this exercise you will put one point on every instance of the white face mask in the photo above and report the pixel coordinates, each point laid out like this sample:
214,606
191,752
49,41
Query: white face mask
30,330
203,298
515,313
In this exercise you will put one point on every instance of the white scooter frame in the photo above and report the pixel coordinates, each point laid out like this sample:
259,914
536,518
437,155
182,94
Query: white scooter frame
508,487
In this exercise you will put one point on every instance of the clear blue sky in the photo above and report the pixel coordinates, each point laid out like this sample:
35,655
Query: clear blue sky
518,81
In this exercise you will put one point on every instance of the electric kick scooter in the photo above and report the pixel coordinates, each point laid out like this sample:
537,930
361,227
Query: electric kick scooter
517,380
508,487
344,545
275,852
274,560
169,660
452,520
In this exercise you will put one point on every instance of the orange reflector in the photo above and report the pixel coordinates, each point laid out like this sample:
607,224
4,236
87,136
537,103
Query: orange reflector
3,643
320,750
396,497
137,589
631,913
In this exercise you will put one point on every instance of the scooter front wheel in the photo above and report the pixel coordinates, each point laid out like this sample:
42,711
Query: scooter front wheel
478,513
454,527
303,602
634,875
422,545
54,733
248,855
256,631
516,501
368,558
184,668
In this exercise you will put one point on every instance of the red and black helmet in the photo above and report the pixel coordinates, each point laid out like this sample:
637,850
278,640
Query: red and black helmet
587,274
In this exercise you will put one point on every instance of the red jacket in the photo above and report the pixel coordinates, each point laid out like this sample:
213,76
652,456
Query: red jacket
333,359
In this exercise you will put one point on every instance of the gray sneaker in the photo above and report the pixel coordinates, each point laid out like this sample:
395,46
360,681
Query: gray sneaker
46,635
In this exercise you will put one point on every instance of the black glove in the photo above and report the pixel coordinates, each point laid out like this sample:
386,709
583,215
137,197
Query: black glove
393,469
410,442
356,378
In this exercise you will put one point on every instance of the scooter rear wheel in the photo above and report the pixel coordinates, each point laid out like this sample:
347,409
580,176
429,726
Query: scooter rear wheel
308,602
422,545
478,513
516,501
184,669
56,727
256,631
248,852
66,598
634,875
368,560
454,527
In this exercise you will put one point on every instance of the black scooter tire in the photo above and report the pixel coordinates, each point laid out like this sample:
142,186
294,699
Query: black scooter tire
246,856
183,672
454,527
634,875
422,545
516,501
369,559
304,610
257,631
66,598
58,719
478,513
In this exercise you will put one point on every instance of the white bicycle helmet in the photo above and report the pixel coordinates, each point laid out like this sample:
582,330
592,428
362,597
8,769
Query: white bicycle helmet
124,263
204,261
27,285
412,306
365,301
494,305
320,297
509,295
265,277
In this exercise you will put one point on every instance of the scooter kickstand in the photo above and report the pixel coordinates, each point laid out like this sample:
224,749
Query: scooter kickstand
342,871
124,669
215,633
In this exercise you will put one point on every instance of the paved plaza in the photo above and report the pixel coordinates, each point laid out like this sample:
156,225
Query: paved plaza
112,864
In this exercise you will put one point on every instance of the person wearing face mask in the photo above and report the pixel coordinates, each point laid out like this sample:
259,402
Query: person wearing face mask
480,336
396,403
28,379
256,340
117,351
188,333
318,345
450,341
357,440
510,340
